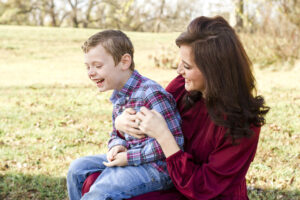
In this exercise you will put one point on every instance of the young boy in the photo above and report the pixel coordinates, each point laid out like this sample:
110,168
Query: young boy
132,166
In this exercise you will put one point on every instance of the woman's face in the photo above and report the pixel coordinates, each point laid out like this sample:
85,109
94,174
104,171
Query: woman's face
194,80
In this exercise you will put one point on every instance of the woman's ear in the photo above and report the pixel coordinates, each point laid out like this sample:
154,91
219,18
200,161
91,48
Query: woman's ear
126,61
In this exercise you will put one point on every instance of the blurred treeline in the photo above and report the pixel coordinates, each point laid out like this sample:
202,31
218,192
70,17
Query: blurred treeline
130,15
270,29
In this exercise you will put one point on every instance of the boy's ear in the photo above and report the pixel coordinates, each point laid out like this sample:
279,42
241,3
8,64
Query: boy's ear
126,61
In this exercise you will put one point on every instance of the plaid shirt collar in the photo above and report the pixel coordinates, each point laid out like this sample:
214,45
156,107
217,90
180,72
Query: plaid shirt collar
133,82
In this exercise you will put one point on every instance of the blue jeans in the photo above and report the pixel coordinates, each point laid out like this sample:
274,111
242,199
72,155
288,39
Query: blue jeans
114,182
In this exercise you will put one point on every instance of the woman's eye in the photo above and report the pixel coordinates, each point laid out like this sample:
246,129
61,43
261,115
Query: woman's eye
186,67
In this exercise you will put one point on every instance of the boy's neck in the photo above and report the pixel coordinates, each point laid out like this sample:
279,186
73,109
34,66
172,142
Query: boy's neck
125,76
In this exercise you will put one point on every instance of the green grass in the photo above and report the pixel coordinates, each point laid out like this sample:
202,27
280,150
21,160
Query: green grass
51,114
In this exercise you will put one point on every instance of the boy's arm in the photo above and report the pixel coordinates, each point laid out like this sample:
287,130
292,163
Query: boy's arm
116,140
166,105
114,137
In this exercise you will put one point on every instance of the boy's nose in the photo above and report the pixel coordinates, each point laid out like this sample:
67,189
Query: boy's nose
91,73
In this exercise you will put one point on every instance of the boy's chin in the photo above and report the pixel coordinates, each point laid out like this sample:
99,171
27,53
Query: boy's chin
101,89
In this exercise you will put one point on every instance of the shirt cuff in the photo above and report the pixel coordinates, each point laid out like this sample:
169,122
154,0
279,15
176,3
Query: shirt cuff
116,142
134,157
174,156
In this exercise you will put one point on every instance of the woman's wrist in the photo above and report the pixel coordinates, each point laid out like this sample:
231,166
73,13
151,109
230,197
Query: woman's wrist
168,144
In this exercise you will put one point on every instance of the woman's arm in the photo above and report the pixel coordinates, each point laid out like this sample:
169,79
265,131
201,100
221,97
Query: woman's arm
222,173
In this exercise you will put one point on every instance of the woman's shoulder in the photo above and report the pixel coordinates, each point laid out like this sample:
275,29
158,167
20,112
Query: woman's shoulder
176,87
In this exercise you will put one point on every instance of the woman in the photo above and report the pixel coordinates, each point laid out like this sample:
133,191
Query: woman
221,116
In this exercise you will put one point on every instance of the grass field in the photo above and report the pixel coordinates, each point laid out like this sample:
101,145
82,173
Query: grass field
51,114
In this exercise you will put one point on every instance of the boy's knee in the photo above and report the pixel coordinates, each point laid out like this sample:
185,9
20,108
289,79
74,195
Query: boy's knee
76,166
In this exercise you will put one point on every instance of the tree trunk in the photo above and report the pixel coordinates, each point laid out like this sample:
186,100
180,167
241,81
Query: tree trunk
239,14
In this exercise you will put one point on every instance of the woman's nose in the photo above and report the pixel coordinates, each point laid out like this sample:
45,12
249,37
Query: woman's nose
179,69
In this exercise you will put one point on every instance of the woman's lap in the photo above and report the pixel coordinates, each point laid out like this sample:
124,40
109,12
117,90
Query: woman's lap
170,194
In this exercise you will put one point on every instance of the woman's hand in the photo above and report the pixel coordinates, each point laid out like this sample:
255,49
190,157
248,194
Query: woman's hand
152,123
126,122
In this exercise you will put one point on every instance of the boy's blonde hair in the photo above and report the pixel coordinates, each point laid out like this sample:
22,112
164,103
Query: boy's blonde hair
115,42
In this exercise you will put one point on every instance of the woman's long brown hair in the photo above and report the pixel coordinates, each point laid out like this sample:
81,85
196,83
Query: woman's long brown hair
230,94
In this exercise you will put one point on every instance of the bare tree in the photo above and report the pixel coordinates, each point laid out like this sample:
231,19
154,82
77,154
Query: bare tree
291,10
90,6
16,12
74,12
239,12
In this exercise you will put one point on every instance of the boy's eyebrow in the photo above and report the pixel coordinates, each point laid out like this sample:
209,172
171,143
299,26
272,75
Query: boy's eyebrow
96,62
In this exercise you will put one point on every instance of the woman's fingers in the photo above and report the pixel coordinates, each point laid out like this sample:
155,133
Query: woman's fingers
130,111
145,111
137,133
157,114
139,116
142,114
133,123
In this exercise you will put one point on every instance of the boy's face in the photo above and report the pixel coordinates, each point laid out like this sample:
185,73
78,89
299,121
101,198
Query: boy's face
102,70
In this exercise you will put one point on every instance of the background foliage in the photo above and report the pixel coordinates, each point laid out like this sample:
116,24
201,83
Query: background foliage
51,114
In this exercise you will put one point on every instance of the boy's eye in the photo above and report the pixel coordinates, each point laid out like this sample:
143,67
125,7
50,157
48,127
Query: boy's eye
98,66
87,68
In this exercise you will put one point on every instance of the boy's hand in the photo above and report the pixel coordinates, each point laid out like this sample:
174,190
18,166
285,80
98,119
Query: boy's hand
120,160
111,154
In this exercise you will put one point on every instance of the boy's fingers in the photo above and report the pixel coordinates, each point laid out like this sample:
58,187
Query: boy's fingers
111,164
108,164
109,157
114,153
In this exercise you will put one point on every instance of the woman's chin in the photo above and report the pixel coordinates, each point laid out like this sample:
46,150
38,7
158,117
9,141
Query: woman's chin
187,87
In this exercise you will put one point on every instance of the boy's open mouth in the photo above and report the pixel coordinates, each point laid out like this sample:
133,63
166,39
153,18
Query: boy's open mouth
99,82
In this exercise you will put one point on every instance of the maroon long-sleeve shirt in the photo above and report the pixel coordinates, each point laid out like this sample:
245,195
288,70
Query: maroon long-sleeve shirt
210,167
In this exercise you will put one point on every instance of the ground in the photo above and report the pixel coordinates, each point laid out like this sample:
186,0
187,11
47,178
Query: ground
52,114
